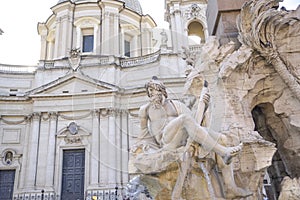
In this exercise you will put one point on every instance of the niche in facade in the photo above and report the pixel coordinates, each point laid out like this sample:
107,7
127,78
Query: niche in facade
196,33
8,157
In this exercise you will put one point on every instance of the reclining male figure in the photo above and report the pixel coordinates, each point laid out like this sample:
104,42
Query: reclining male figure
170,124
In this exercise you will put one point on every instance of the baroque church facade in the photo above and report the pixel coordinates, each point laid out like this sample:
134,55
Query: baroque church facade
67,124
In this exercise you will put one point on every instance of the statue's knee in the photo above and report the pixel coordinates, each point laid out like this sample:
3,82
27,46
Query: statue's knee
182,118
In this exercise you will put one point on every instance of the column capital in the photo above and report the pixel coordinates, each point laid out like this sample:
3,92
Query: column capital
53,115
96,112
36,115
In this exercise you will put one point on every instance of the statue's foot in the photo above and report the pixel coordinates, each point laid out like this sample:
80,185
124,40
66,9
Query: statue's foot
237,192
231,152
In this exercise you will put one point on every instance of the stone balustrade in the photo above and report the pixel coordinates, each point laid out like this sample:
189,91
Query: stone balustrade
124,62
131,62
17,68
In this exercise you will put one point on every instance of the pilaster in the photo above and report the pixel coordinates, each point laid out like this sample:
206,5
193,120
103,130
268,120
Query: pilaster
51,150
95,154
31,169
57,39
112,164
104,147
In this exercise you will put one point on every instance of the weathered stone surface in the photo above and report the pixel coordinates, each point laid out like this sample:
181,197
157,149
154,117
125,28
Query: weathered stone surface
290,189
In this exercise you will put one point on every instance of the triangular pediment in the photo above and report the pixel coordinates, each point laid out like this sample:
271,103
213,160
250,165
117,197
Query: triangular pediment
73,84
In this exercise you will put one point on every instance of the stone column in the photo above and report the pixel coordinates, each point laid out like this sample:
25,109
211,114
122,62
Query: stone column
134,46
31,169
78,37
66,36
57,39
106,34
173,33
118,140
112,148
94,172
50,48
23,170
179,30
51,150
95,38
43,52
124,147
43,32
122,39
115,36
146,41
104,147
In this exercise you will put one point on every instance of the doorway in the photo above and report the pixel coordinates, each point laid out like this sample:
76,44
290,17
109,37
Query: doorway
73,174
7,180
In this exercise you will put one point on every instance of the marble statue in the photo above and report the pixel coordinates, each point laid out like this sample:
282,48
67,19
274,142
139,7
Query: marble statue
170,124
190,59
164,38
171,132
194,83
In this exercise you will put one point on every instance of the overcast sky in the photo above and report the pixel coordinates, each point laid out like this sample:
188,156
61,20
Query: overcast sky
20,42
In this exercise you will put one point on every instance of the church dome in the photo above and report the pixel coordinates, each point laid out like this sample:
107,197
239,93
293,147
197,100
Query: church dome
133,5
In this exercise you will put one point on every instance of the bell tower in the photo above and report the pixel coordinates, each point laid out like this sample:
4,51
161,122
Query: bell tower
188,24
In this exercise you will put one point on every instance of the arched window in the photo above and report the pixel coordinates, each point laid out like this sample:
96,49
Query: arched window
87,31
196,33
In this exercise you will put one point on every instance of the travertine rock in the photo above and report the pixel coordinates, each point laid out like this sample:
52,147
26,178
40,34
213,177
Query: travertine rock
290,189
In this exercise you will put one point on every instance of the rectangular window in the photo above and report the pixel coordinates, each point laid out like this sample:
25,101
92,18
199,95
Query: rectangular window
88,43
127,48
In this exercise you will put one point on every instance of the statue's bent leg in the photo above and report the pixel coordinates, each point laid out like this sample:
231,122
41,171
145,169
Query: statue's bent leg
173,134
201,136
